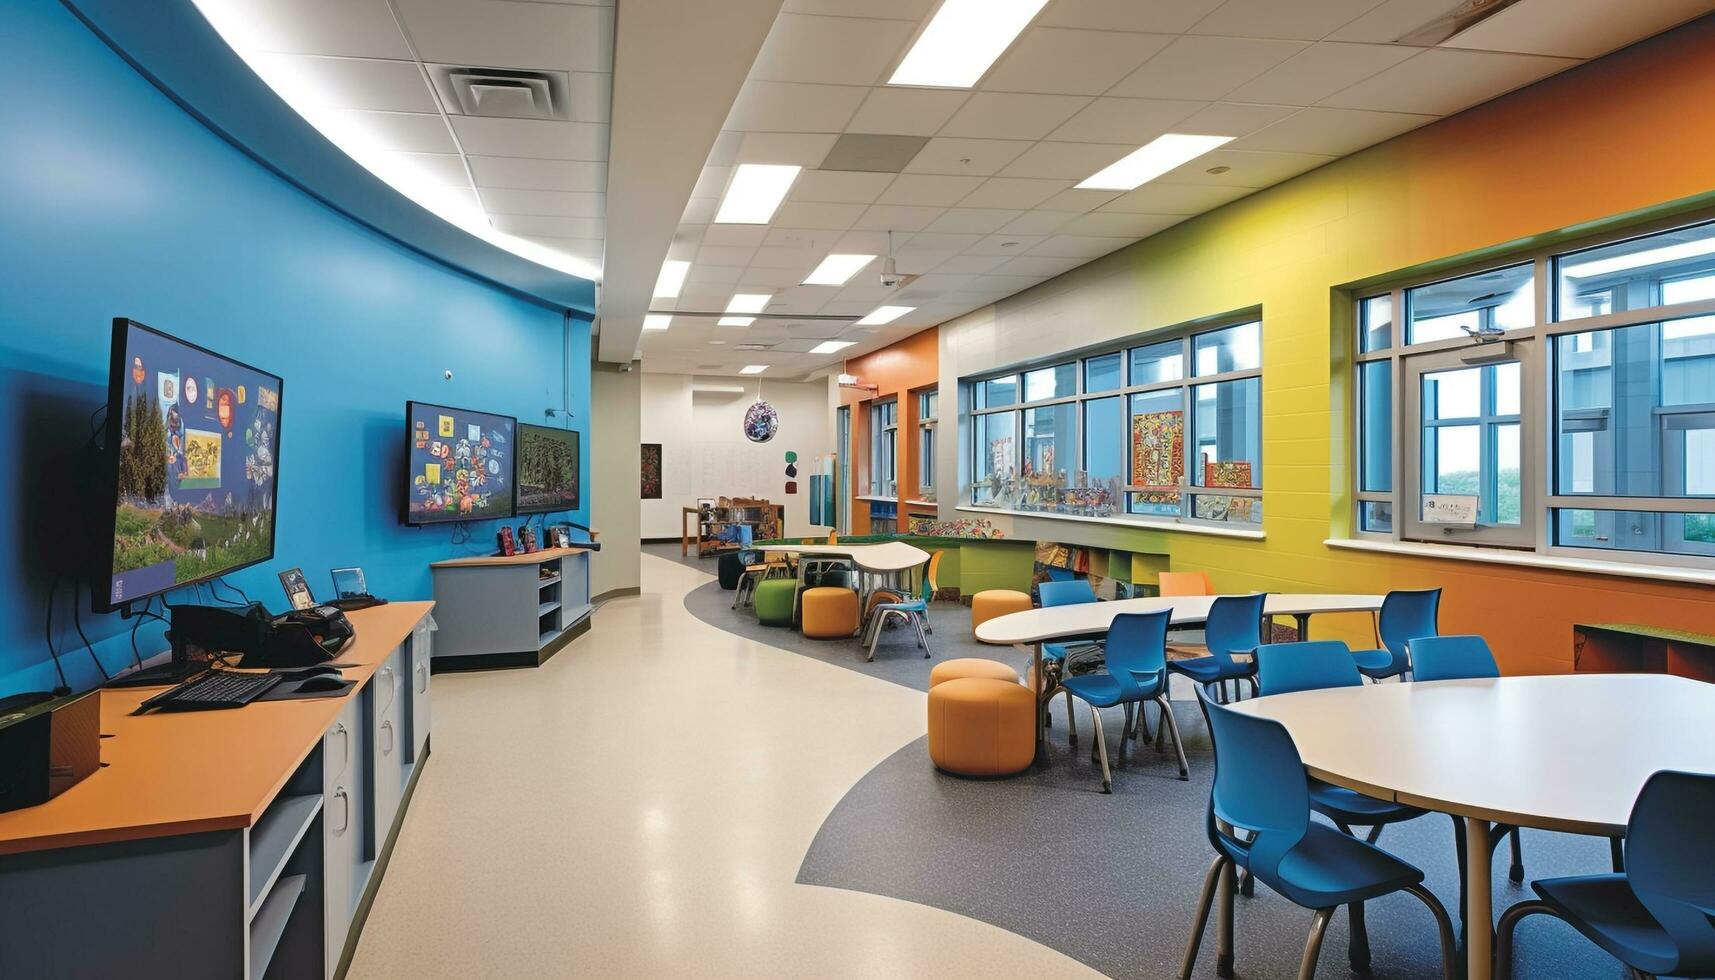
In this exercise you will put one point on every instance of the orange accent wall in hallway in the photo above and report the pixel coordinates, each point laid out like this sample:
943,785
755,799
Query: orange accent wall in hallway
899,370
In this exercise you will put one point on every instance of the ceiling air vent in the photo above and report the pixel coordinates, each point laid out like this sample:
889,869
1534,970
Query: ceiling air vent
754,347
502,92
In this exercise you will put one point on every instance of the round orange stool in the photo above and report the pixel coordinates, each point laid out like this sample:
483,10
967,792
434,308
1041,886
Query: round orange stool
979,726
990,603
830,613
952,670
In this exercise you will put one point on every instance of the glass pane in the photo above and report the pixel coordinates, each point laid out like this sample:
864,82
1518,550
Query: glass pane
1232,349
1454,459
1507,499
994,471
1376,323
1158,362
1103,373
1507,388
926,462
1456,394
997,392
1673,267
1104,444
1699,453
1375,426
1504,299
1232,510
1050,444
1377,516
1157,451
928,406
1051,382
1226,431
1618,530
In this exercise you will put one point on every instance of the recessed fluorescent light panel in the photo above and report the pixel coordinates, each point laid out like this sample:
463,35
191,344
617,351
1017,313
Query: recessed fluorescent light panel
753,369
836,269
657,321
672,278
962,40
755,191
735,321
748,302
884,314
830,346
1148,162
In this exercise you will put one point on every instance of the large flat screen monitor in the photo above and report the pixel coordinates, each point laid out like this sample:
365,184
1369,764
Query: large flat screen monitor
547,469
458,464
193,442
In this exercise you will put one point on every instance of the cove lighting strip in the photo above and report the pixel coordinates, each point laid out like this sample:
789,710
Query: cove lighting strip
962,40
672,279
1150,161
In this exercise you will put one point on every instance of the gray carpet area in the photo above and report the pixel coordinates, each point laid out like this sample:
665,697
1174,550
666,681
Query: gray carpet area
1113,880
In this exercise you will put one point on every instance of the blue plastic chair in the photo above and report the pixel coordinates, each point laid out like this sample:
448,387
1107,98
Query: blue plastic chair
1063,592
1406,614
1136,673
1234,626
1656,917
913,612
1259,820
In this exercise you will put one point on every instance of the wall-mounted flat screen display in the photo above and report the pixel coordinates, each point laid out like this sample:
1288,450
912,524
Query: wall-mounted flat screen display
458,464
193,442
547,469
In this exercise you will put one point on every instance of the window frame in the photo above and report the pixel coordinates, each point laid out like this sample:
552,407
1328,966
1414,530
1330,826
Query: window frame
928,415
884,448
1540,500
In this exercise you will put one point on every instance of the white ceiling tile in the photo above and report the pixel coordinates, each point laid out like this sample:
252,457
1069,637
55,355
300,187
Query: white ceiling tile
405,131
773,276
794,107
720,275
839,186
715,255
1205,68
1389,21
1336,131
1118,225
1037,223
906,111
1245,168
866,293
917,261
798,149
1073,199
1442,82
815,240
353,28
935,190
1164,197
1065,161
1040,265
546,226
711,182
439,168
936,284
1175,17
348,83
1014,192
1308,20
1000,115
563,204
944,155
971,264
539,175
1575,28
830,50
892,9
868,242
897,217
735,236
807,214
699,211
503,34
1319,71
803,300
589,96
1070,62
1079,246
972,220
1133,121
1234,119
943,241
539,138
1007,245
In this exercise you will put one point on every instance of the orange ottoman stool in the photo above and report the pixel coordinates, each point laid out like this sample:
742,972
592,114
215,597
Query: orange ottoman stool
990,603
952,670
979,726
830,613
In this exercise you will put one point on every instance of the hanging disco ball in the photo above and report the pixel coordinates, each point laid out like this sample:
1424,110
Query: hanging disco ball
761,421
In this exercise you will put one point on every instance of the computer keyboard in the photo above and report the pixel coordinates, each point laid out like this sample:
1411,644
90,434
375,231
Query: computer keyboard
215,689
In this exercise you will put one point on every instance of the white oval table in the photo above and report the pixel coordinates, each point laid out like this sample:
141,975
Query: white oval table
1566,753
888,559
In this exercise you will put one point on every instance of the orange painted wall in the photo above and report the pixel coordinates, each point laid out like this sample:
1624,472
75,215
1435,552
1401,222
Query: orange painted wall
897,370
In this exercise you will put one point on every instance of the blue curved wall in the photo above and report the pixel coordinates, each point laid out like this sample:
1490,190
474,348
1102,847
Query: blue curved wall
118,203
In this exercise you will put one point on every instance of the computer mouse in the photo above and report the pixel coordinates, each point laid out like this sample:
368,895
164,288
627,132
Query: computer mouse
320,684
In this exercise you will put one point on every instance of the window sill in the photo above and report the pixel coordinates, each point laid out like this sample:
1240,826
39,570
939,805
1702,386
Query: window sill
1501,556
921,503
873,498
1172,527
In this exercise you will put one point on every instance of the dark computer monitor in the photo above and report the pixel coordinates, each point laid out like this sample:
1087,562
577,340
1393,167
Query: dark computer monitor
193,444
547,479
458,464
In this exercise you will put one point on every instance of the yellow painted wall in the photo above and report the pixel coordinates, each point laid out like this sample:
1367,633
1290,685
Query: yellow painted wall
1624,136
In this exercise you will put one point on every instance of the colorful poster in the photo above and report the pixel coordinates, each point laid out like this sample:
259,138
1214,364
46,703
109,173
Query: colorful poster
651,471
445,426
167,389
1230,473
202,461
1158,453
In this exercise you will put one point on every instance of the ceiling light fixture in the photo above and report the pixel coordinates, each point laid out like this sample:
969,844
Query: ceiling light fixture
831,346
755,192
657,321
672,278
753,369
962,40
836,269
884,314
1150,161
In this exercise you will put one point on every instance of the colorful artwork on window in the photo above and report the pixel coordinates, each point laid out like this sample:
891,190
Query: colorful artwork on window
1158,453
1231,473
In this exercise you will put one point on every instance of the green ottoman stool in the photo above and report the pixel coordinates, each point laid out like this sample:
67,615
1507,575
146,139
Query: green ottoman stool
774,601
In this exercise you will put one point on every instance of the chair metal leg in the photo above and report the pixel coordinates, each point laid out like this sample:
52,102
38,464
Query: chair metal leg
1161,729
1130,716
1313,947
1358,942
1504,934
1375,833
1204,901
1459,849
880,626
1071,721
922,641
1224,958
1178,743
1101,749
1450,965
1617,854
1516,871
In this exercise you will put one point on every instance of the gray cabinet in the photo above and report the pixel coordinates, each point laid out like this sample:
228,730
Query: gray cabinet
512,610
345,763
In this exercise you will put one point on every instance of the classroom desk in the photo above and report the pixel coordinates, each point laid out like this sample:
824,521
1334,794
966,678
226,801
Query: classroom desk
167,861
889,558
1514,750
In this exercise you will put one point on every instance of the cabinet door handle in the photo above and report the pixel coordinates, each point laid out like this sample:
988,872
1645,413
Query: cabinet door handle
422,678
345,741
387,727
344,810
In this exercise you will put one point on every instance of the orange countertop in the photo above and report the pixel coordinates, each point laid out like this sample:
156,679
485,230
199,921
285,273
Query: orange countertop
196,771
533,558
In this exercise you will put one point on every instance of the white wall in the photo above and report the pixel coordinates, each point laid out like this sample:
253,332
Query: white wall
613,428
704,452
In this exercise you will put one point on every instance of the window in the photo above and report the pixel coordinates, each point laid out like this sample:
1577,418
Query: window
928,407
1610,394
884,448
1126,434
